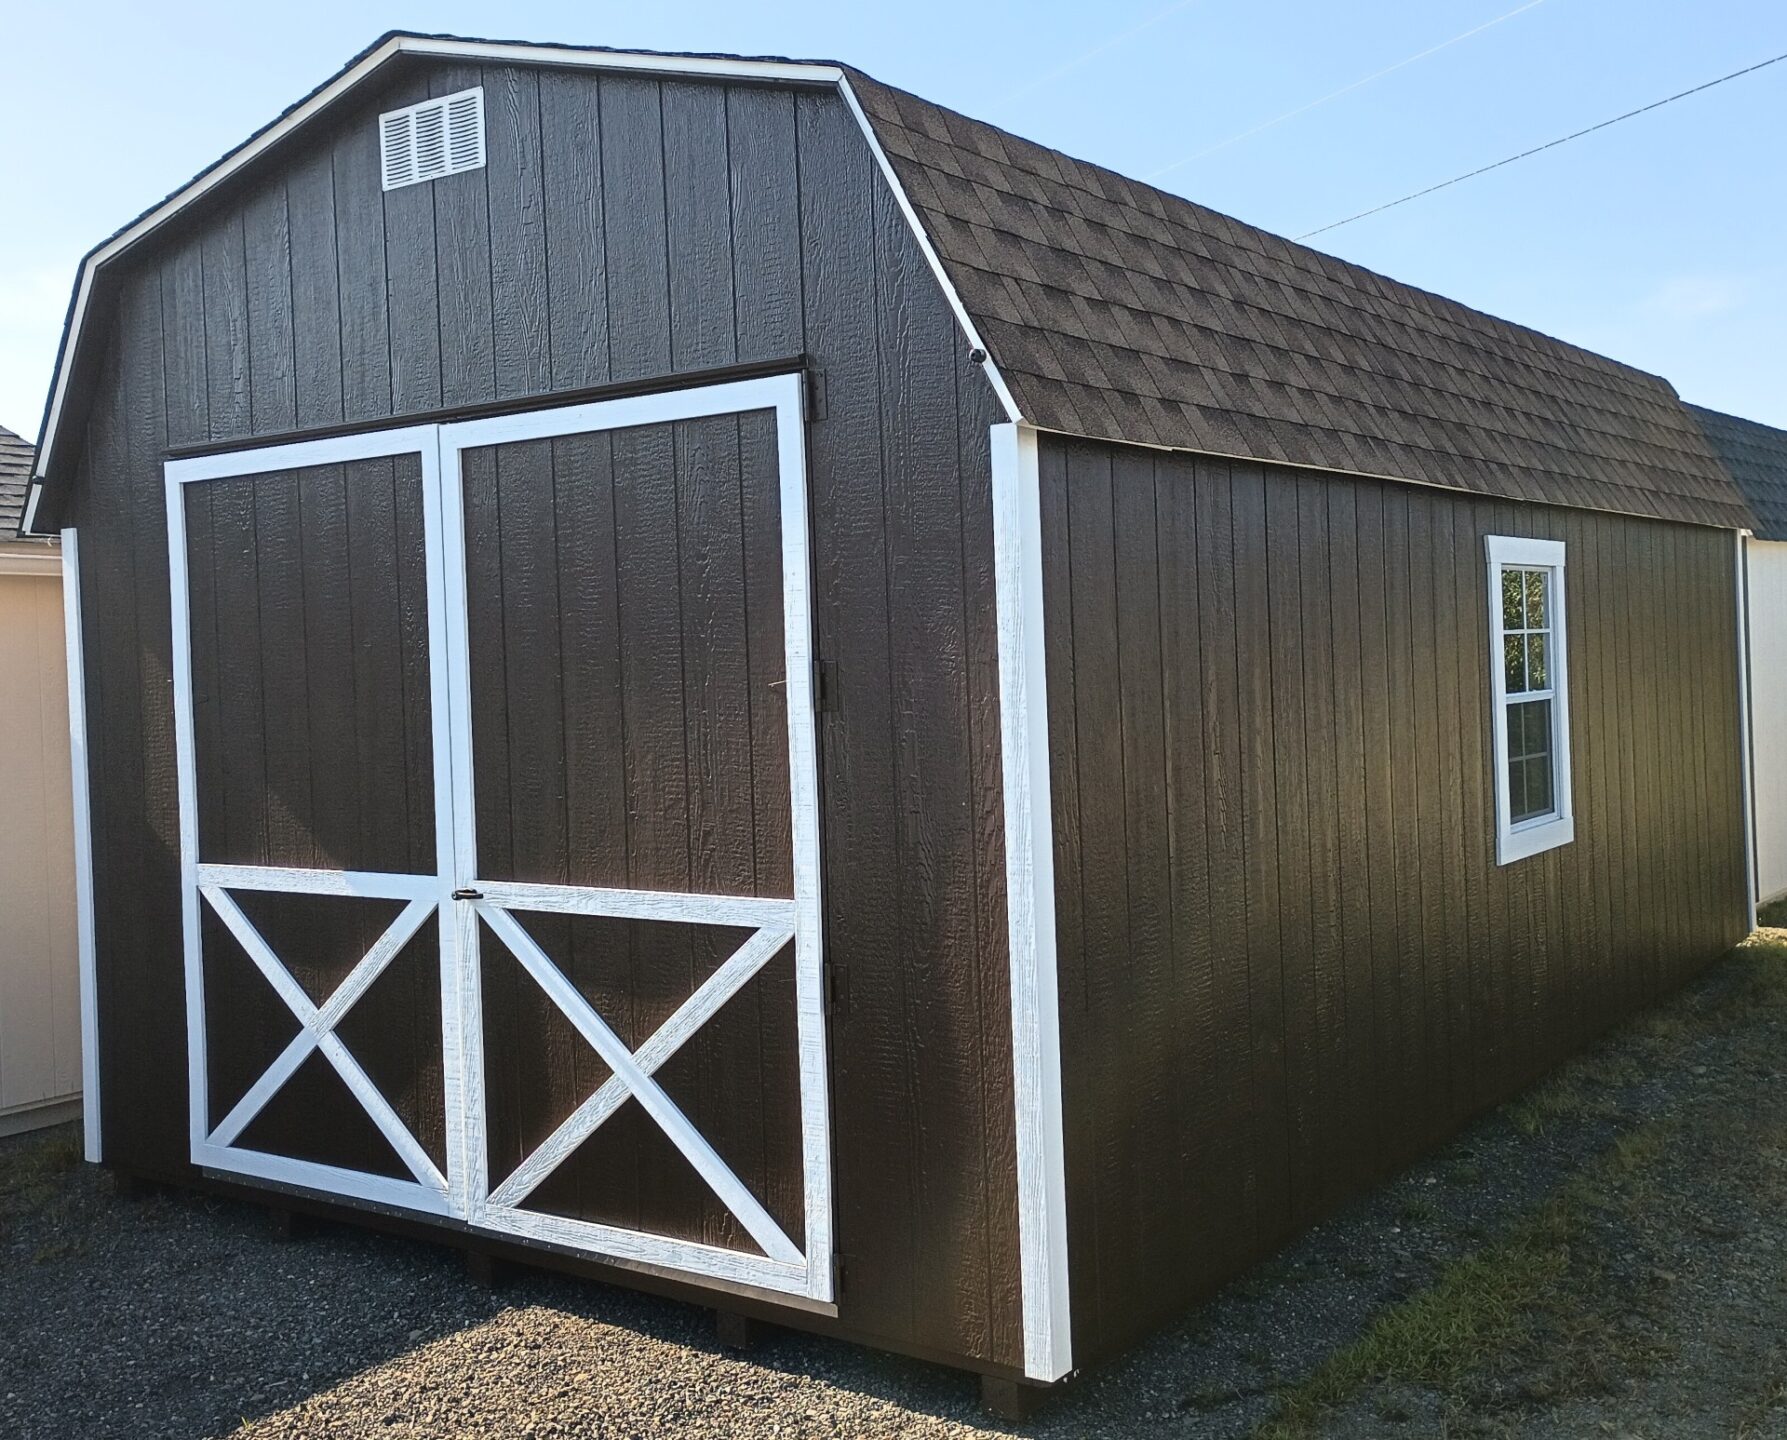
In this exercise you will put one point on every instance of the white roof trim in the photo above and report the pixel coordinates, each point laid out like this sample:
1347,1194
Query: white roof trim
513,53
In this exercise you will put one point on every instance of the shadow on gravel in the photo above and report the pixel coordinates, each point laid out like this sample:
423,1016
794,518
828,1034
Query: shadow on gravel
1605,1252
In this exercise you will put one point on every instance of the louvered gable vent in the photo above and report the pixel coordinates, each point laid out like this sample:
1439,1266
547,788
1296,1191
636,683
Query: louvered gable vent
435,138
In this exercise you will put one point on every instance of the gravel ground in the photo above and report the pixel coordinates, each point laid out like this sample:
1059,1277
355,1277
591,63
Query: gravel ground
1607,1254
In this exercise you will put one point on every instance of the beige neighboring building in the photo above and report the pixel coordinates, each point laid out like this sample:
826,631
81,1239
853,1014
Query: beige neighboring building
40,1022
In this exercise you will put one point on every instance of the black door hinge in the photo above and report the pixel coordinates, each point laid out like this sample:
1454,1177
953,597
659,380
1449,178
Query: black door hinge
815,393
825,687
837,989
837,1276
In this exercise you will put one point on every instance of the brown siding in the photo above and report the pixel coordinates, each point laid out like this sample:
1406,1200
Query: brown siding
1289,961
625,227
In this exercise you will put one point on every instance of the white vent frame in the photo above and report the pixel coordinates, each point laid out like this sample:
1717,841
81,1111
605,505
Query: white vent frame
431,139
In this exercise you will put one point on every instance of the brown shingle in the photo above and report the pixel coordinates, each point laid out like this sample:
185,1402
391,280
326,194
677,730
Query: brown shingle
1173,314
15,479
1756,457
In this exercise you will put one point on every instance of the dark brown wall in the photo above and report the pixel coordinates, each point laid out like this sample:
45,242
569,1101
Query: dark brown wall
1289,960
624,228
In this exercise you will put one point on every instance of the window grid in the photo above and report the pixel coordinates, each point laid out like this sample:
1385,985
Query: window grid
1526,602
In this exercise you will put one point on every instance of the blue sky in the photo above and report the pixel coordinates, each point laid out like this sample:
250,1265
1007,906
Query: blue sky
1659,242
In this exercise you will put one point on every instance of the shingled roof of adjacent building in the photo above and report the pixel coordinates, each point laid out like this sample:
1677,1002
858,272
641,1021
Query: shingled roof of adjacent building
1118,311
15,475
1756,457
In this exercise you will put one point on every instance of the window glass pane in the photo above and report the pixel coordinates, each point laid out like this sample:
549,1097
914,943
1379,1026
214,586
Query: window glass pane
1513,600
1514,659
1538,673
1538,786
1529,729
1536,597
1530,787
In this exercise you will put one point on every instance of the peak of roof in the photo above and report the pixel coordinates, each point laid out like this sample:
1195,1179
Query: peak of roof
1755,455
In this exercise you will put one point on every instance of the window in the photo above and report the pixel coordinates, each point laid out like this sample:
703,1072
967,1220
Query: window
1529,671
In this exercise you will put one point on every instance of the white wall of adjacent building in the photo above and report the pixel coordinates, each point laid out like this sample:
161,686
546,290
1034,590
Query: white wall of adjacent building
1768,712
40,1021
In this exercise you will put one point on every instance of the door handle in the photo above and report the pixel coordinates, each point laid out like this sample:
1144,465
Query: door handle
468,894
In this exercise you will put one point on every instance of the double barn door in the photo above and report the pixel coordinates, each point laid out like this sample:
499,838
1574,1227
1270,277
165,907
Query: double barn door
499,827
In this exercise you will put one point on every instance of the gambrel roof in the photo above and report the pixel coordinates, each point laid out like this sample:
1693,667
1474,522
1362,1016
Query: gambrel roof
1118,311
1114,310
1756,457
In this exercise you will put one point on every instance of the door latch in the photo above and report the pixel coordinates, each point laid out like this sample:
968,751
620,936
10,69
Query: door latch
468,894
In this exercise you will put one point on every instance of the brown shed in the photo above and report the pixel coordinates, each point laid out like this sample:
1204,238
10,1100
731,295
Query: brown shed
702,670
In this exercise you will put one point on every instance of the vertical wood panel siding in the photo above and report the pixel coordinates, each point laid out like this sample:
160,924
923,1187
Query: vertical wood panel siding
1288,959
623,227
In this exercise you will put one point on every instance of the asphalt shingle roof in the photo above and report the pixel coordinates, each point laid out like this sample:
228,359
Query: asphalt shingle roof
1756,457
15,476
1118,311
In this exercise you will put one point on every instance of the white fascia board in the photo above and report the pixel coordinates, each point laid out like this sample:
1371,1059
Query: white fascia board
1012,413
511,53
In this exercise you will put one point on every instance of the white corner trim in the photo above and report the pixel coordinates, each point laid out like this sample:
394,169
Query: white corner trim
518,54
1745,744
1030,889
83,843
1531,837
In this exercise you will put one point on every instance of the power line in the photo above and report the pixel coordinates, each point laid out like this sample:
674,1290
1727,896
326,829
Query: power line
1038,81
1336,94
1549,145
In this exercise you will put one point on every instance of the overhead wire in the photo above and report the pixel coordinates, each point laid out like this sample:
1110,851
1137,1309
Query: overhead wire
1036,82
1359,84
1540,149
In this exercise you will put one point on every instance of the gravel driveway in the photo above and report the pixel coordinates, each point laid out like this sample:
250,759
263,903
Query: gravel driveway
1607,1254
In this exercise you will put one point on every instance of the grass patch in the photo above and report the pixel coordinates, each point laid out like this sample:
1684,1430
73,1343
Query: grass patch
1773,915
1478,1307
1486,1304
1577,1092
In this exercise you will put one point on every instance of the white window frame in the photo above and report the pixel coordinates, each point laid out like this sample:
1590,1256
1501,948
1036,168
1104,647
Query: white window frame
1540,833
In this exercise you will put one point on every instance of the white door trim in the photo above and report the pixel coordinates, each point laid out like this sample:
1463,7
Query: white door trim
802,1270
212,1145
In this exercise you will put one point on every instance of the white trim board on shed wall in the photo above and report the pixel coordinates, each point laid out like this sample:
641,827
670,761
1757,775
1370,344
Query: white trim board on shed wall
1768,712
1030,888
